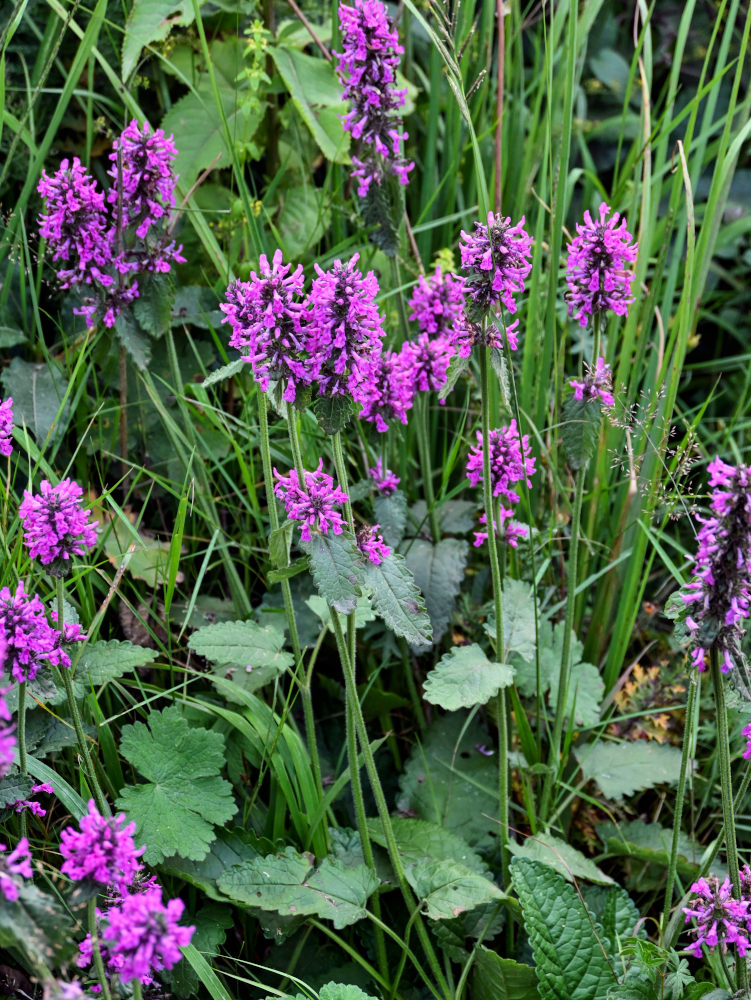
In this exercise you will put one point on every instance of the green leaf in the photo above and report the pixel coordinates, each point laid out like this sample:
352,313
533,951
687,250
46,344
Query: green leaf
500,367
280,540
502,978
465,677
291,885
382,208
295,568
561,857
438,571
458,366
225,372
336,567
232,847
519,633
652,842
337,991
311,83
566,942
105,660
363,612
11,336
581,427
13,788
391,515
418,840
150,21
32,924
153,307
243,643
614,909
620,769
196,305
37,391
175,811
333,412
447,888
397,600
135,342
304,218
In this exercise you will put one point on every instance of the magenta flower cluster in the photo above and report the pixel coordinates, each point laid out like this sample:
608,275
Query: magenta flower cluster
497,257
597,384
720,919
366,68
372,545
56,526
6,426
388,393
104,242
437,303
30,641
596,272
385,481
18,862
102,850
718,596
314,503
510,462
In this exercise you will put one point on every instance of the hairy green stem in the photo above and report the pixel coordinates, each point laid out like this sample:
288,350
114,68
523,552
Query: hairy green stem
423,446
21,736
96,953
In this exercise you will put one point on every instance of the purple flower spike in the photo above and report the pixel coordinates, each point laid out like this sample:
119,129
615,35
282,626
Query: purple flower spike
372,545
718,597
596,271
18,862
385,482
143,935
389,392
344,329
103,851
6,426
497,255
56,526
366,69
314,504
437,303
28,638
146,186
720,919
510,461
597,384
425,362
265,319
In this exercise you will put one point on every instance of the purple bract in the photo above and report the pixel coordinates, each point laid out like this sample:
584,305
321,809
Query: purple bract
6,426
510,461
102,851
497,256
597,384
7,739
56,526
509,531
596,270
314,504
425,361
18,862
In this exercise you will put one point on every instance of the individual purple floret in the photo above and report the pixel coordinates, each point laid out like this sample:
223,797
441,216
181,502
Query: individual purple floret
144,182
366,68
58,990
497,256
143,935
29,639
596,270
597,384
30,805
18,862
718,597
425,362
509,531
7,739
56,526
747,733
510,461
438,302
720,919
6,426
344,328
388,392
314,505
103,851
265,318
385,482
372,545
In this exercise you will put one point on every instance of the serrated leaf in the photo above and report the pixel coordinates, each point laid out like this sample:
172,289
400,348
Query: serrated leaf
150,21
397,600
241,643
363,612
561,857
312,83
420,840
338,991
32,924
175,811
391,513
223,373
566,942
280,540
615,911
148,558
153,307
11,336
455,517
652,842
336,566
457,367
465,677
621,769
438,571
446,888
134,341
14,787
333,412
105,660
502,978
38,391
519,632
291,885
500,367
288,572
232,847
581,428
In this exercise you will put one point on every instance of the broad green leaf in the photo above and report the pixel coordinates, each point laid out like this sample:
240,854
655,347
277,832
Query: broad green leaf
519,634
455,517
502,978
621,769
397,600
196,305
11,336
581,426
153,307
32,925
280,540
614,909
418,840
290,884
211,923
132,338
185,795
13,788
567,943
338,991
465,677
446,888
391,514
104,660
458,366
232,847
561,857
363,611
438,571
150,21
611,69
37,391
652,842
149,558
304,218
336,567
333,412
449,781
312,83
382,208
225,372
243,643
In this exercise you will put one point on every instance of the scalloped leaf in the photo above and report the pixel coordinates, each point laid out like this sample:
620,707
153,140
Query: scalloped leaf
397,600
106,659
391,513
561,857
438,571
465,677
620,769
336,566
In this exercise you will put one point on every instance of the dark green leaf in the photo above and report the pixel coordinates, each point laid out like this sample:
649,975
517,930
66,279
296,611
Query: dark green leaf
136,344
32,924
561,857
336,567
38,391
581,427
621,769
465,677
105,660
382,209
438,571
519,633
280,540
419,840
312,84
225,372
502,978
13,788
391,515
151,21
457,367
153,307
397,600
447,888
333,412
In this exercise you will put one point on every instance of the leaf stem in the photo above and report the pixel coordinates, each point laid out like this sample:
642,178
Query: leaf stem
21,734
96,953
